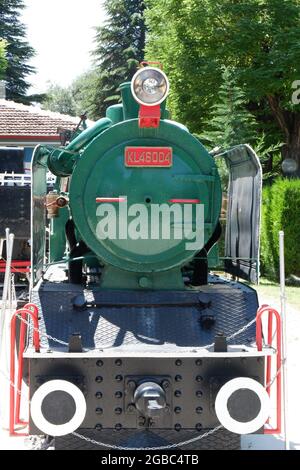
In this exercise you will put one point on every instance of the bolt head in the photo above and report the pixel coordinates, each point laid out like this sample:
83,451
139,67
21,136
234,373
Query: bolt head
118,427
178,378
98,395
177,393
99,363
165,384
177,410
99,379
142,421
118,411
99,411
118,362
199,394
98,427
198,426
199,362
119,378
178,362
199,410
118,394
199,378
177,427
131,384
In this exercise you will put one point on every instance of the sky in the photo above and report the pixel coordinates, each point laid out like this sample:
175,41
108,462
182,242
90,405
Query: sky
62,34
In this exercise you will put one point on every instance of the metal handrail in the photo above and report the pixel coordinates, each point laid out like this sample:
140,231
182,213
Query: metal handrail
14,407
259,342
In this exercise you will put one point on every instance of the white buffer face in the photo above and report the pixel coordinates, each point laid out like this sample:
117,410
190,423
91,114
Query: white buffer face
75,395
222,411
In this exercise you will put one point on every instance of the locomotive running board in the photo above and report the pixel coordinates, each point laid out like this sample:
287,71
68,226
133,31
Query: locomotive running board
235,351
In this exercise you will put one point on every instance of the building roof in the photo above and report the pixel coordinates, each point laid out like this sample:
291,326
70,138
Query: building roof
20,123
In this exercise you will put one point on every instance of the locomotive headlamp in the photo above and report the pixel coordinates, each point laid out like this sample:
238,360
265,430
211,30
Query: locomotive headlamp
150,86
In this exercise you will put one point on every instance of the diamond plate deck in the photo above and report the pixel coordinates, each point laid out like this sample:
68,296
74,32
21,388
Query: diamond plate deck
174,324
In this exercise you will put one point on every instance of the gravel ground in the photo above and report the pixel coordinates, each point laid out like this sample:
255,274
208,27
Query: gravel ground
249,442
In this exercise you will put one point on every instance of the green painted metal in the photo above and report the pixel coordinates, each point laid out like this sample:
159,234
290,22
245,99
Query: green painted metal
101,173
94,161
115,278
115,113
38,210
57,245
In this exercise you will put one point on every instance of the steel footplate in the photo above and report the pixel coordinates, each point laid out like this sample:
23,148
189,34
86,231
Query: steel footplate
190,318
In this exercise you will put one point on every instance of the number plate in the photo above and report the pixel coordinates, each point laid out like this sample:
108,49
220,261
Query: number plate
149,157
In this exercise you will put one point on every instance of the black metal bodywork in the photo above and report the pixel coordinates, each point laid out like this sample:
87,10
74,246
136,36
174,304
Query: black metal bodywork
112,319
117,340
191,387
243,214
15,211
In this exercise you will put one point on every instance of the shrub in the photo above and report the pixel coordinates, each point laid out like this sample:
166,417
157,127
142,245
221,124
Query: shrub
281,211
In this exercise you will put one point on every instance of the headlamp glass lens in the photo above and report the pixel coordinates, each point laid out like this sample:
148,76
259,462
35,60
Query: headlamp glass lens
150,86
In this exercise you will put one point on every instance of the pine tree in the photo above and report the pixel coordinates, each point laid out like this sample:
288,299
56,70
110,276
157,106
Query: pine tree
3,61
120,47
231,123
18,51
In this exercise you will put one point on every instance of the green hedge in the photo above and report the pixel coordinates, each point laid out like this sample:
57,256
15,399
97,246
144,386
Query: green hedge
280,211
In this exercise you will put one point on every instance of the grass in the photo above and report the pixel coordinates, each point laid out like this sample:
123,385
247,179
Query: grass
271,289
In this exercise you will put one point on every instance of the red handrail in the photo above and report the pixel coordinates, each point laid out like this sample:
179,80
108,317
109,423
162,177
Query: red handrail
23,329
259,336
30,310
16,266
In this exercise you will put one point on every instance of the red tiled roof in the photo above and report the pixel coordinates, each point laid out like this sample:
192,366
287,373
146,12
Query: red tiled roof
18,120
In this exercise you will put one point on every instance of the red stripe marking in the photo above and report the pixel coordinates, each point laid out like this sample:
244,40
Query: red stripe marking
185,201
110,199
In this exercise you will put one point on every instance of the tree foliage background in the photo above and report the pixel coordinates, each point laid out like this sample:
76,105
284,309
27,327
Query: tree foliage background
3,61
18,51
258,39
